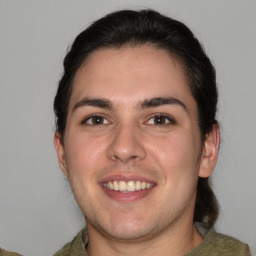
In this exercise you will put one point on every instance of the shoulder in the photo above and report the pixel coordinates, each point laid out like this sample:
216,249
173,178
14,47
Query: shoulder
229,245
75,247
8,253
215,244
64,251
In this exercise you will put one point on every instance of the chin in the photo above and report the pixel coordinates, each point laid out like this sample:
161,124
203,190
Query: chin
124,230
128,234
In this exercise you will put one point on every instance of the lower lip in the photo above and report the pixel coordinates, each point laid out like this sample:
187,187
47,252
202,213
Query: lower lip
126,196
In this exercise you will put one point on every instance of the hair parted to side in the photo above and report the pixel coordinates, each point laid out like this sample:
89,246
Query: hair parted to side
149,27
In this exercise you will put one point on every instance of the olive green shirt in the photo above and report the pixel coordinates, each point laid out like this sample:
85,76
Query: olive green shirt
7,253
214,244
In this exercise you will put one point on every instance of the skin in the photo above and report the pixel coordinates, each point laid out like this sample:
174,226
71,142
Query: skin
135,140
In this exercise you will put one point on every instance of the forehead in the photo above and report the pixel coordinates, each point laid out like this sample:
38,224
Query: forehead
135,73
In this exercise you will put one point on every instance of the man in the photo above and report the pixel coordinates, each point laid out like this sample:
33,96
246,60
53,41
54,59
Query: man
137,137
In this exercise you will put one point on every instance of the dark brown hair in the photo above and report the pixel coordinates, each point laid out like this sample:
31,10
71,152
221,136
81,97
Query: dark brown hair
129,27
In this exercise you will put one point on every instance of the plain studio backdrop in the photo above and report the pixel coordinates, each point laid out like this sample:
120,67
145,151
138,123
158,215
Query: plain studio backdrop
37,211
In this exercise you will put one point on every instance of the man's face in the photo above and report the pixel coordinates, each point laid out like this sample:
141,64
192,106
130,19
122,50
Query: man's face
132,148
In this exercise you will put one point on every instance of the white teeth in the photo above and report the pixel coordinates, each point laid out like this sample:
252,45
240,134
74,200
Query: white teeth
148,185
122,186
129,186
138,185
115,186
110,185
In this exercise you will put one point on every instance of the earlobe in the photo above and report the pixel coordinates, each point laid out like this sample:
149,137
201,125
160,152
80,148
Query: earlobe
210,152
60,153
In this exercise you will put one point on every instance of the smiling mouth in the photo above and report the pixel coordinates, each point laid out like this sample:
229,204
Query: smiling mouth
129,186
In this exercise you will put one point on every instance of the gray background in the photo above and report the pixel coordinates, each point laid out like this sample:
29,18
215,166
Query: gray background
37,210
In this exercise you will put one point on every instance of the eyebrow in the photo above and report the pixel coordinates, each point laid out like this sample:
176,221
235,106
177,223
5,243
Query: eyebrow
100,103
148,103
159,101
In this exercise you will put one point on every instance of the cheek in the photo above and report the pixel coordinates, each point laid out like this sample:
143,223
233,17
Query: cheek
84,157
176,154
83,152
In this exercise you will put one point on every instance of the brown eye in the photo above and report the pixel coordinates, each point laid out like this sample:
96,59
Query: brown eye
95,120
161,120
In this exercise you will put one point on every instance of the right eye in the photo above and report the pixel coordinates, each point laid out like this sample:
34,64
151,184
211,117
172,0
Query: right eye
95,120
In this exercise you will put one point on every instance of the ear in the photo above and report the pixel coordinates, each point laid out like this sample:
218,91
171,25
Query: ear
210,152
60,153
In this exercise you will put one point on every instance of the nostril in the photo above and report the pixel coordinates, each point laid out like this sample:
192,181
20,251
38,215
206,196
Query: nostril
130,158
133,157
114,158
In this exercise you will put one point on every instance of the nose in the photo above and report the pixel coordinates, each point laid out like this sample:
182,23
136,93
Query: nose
126,145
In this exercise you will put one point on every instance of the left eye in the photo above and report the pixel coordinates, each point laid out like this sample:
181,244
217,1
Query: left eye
160,120
95,120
